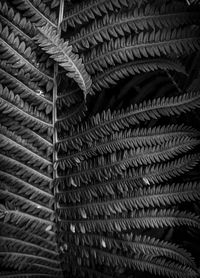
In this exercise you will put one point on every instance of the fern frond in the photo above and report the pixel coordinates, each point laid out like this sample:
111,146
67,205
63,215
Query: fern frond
22,29
17,260
24,139
37,194
88,10
76,192
18,24
42,145
117,163
8,243
68,98
160,196
24,172
72,117
32,159
24,89
16,108
145,45
155,266
34,224
43,243
25,79
131,138
155,218
25,205
132,22
37,12
61,52
107,122
17,53
140,245
113,74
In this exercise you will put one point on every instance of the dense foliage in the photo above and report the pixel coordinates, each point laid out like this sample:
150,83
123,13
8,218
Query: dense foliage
99,138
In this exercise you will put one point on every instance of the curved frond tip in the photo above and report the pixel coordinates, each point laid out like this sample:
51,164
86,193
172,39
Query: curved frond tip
50,41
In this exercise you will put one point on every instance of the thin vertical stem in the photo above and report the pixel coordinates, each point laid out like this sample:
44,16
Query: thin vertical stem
55,95
55,135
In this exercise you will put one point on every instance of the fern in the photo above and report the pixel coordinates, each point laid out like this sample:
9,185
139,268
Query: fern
125,140
16,51
15,108
137,220
21,234
26,91
137,245
132,22
37,11
88,10
41,145
20,26
120,186
113,74
142,198
116,164
106,123
72,117
35,224
159,266
144,45
87,191
61,52
68,98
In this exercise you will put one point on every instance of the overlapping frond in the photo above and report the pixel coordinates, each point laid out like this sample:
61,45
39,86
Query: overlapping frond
80,192
61,52
31,76
16,52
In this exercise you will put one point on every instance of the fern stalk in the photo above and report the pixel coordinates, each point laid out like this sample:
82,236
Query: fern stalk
54,114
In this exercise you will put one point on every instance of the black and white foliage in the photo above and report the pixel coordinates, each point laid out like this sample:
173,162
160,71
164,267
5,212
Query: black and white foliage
99,138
